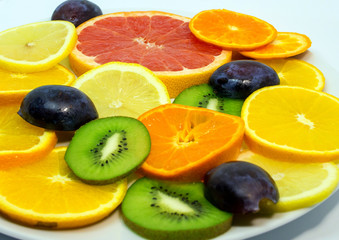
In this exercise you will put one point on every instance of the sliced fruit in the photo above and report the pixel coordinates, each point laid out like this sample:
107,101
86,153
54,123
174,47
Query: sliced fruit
300,185
202,95
108,149
16,85
76,11
46,194
122,89
232,30
238,79
292,123
157,40
169,210
286,44
189,141
21,142
296,72
57,107
240,187
37,46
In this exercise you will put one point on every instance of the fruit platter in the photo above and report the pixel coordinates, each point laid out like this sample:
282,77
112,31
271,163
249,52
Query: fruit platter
171,120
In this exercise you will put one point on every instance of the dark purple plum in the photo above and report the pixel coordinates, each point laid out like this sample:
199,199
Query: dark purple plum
76,11
238,79
57,107
238,187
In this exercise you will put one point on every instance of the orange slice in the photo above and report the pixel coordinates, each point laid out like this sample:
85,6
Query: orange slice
232,30
189,141
21,142
295,72
292,123
286,44
159,41
16,85
47,194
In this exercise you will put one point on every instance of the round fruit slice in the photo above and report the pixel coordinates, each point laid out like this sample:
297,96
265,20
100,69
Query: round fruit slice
159,41
16,85
189,141
203,96
46,194
300,185
168,210
232,30
21,142
108,149
37,46
286,44
296,72
292,123
122,89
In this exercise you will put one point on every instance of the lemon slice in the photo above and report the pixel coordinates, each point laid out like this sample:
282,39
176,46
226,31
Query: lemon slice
296,72
47,194
294,123
300,185
37,46
122,89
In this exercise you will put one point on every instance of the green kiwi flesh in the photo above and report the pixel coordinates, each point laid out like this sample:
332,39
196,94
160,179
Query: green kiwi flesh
108,149
170,210
203,96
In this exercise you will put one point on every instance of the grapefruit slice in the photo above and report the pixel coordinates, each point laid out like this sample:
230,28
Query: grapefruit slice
157,40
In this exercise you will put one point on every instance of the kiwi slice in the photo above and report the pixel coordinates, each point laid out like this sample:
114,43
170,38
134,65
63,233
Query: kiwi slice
108,149
203,96
170,210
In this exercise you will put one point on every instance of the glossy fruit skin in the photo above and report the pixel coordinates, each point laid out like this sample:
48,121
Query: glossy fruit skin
238,79
57,107
76,11
238,187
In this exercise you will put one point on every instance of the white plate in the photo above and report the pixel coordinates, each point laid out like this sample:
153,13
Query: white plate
15,13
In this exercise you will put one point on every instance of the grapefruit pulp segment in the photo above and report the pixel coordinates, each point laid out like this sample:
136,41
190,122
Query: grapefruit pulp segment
157,40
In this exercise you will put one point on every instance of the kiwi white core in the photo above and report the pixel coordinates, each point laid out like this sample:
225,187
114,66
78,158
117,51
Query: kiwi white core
212,104
110,146
174,204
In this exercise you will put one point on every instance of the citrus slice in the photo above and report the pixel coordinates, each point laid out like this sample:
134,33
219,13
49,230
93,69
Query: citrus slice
47,194
188,141
122,89
286,44
16,85
292,123
296,72
232,30
21,142
36,46
300,185
157,40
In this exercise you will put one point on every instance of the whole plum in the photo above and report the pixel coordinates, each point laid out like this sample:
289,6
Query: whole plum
238,79
57,107
76,11
238,187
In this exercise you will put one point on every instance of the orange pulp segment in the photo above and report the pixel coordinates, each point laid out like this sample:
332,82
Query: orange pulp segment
189,141
232,30
286,44
157,40
47,194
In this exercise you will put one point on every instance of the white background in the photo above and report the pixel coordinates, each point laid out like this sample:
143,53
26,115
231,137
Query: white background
317,19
